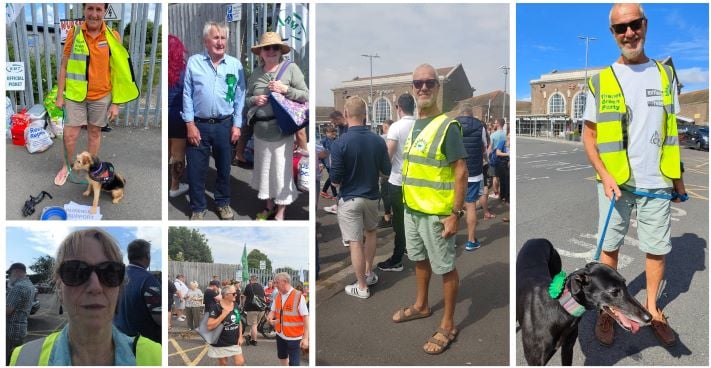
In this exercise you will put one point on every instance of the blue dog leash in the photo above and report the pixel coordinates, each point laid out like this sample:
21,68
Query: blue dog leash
604,229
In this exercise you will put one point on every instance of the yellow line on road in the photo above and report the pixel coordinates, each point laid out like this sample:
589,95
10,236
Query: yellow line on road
185,357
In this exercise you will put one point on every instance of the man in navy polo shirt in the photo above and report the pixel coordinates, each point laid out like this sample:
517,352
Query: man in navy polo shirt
358,158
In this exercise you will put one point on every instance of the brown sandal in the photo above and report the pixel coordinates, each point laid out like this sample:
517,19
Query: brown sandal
414,314
442,345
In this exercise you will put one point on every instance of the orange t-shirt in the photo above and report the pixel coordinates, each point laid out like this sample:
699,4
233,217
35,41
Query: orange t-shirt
99,76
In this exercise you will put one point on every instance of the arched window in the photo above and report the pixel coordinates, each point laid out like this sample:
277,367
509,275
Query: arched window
556,104
578,106
382,110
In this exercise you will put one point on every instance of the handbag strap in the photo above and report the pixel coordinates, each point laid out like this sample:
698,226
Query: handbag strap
283,69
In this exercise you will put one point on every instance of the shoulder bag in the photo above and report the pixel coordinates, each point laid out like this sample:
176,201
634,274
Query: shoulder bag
291,115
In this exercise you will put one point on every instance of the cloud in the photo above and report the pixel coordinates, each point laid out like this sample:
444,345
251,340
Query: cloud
695,75
545,48
284,246
525,99
46,241
404,36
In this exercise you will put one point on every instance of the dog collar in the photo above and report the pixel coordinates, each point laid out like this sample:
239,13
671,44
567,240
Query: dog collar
104,173
571,305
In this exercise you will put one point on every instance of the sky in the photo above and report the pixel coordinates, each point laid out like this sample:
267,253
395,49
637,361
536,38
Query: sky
285,246
677,30
25,244
407,35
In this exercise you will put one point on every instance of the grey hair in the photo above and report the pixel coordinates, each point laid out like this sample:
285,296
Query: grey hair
422,66
284,276
616,5
222,27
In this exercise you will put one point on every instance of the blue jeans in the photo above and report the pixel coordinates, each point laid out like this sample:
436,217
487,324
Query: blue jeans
215,139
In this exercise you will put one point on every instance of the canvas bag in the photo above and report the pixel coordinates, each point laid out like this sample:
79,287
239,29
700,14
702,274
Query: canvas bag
290,115
210,336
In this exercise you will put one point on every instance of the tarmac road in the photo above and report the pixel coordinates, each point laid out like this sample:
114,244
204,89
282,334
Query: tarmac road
556,199
135,153
187,348
353,331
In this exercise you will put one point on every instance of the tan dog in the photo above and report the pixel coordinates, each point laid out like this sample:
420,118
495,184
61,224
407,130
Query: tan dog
101,176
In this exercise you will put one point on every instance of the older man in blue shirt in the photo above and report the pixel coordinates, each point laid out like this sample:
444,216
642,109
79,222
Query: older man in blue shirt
213,98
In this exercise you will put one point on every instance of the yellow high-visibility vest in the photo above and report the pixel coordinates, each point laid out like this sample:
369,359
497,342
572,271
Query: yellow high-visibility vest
427,176
612,110
37,352
123,83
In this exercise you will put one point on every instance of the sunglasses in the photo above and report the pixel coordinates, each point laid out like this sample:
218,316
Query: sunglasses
621,28
272,47
75,273
430,83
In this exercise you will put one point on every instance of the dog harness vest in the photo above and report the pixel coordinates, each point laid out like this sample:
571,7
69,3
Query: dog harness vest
289,321
612,120
104,173
427,177
570,305
38,352
123,84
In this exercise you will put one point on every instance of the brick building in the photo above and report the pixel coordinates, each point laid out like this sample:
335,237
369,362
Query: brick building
386,89
488,106
558,102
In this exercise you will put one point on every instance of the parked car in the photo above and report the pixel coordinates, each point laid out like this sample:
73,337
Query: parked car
695,137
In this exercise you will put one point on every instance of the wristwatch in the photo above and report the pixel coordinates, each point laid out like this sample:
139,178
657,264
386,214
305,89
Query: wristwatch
459,213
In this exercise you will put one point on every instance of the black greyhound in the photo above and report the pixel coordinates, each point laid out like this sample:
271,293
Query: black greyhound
546,322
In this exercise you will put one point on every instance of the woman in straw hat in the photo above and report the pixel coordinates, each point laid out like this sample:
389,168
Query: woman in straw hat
273,151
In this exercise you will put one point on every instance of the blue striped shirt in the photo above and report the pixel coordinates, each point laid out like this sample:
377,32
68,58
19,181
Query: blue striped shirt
205,89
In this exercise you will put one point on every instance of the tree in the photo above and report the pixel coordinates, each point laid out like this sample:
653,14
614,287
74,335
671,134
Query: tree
288,270
43,267
255,256
188,245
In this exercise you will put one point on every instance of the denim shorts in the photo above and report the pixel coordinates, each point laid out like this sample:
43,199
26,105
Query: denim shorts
653,221
474,190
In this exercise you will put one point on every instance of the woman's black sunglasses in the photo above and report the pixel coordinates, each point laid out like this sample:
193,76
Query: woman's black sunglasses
272,47
75,273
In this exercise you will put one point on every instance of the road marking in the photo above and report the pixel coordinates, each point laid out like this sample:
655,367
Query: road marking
545,154
184,356
623,259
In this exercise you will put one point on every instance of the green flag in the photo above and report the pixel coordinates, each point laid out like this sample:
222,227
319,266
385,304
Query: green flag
245,266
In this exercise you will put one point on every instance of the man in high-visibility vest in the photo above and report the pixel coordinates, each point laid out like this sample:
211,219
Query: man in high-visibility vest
631,140
290,317
434,180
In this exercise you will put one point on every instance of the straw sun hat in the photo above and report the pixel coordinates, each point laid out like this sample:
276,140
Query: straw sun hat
270,38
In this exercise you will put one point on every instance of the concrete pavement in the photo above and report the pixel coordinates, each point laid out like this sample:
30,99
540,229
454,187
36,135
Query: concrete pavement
353,331
135,153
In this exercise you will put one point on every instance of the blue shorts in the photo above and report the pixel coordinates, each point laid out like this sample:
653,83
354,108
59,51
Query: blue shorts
290,349
474,190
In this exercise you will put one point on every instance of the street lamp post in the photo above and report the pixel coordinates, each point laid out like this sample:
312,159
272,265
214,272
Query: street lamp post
506,74
370,95
585,82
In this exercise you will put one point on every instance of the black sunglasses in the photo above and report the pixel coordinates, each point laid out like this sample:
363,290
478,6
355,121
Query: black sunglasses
75,273
272,47
621,28
430,83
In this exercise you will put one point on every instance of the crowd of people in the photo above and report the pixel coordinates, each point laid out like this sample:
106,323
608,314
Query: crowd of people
241,310
215,109
429,169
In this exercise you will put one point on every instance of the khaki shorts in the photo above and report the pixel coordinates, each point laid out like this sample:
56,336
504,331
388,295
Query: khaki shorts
653,221
423,234
88,112
253,317
355,216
